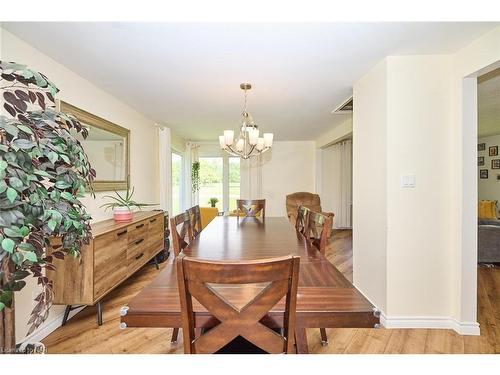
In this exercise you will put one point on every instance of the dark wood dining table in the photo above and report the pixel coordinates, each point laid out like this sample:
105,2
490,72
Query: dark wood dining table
325,298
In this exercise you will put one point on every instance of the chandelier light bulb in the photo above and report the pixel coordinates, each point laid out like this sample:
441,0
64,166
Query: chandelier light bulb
222,142
240,145
253,134
228,137
260,144
268,139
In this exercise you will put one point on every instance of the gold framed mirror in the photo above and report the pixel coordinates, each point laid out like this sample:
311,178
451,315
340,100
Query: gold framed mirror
107,146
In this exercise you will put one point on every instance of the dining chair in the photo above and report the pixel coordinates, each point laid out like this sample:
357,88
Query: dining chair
195,217
182,235
317,231
301,220
251,207
194,279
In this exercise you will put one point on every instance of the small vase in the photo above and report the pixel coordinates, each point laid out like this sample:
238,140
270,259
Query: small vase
122,214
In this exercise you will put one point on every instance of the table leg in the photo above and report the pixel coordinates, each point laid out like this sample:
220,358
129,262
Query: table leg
301,341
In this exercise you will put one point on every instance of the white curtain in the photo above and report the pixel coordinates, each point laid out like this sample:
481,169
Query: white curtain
165,164
341,198
251,178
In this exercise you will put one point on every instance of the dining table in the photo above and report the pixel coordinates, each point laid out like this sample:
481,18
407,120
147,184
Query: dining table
325,298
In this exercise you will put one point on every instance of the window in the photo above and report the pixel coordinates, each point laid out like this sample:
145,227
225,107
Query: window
234,182
219,178
211,177
177,178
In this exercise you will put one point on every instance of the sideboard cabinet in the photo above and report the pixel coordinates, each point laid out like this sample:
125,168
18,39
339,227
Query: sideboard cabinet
115,252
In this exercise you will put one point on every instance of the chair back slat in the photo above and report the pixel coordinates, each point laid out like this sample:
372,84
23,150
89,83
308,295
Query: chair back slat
182,232
317,229
251,207
301,221
195,217
194,279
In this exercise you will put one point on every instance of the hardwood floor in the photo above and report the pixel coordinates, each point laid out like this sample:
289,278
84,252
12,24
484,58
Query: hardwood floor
82,335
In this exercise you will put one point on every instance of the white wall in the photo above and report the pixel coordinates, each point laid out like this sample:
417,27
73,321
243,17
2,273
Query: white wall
417,114
419,244
475,59
369,185
287,168
489,189
84,94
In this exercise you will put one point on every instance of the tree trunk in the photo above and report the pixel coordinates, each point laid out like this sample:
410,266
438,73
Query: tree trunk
7,323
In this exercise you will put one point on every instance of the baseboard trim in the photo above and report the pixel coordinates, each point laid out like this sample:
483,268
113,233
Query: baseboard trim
42,332
430,322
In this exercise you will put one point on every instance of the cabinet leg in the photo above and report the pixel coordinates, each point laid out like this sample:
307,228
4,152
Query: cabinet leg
156,263
99,313
324,337
175,334
66,314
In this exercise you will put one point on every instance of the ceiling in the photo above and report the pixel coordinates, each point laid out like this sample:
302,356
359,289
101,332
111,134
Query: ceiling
488,104
187,76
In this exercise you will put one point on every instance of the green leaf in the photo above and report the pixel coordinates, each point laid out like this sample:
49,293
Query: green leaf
53,157
25,246
8,245
17,258
67,196
16,183
3,186
11,195
11,129
65,158
24,143
2,306
3,165
25,129
62,185
31,256
13,231
52,224
24,230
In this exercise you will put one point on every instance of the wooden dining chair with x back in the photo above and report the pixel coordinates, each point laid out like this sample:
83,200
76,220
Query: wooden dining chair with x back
182,235
251,207
317,228
196,279
195,217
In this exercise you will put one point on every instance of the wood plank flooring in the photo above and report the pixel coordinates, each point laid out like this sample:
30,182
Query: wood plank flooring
82,335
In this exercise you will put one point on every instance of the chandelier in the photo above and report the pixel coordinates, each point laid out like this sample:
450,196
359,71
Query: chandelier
248,143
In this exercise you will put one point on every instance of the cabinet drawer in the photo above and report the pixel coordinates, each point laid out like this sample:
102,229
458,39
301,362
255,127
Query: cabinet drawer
110,256
137,231
137,260
136,247
156,224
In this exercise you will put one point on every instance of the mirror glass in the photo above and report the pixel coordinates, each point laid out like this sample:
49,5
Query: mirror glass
106,147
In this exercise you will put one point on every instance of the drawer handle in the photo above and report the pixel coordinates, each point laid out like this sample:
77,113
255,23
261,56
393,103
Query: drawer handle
121,233
152,220
138,241
139,226
139,256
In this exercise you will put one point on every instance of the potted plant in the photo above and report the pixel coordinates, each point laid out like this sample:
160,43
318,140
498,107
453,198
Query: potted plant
122,205
195,177
213,201
43,171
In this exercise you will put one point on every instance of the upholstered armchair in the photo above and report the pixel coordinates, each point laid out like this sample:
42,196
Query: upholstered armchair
309,200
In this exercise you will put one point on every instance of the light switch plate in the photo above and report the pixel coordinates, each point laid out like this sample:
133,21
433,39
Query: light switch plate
408,181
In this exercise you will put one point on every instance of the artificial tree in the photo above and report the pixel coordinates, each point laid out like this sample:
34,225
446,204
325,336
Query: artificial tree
43,172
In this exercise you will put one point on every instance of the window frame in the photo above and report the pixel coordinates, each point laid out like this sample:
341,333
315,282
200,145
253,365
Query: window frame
181,181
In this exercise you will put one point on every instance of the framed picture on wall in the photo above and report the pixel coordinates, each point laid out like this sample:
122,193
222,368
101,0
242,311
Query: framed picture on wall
480,161
493,151
495,164
483,174
481,146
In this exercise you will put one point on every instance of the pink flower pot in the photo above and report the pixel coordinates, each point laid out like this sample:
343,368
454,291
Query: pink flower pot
121,214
